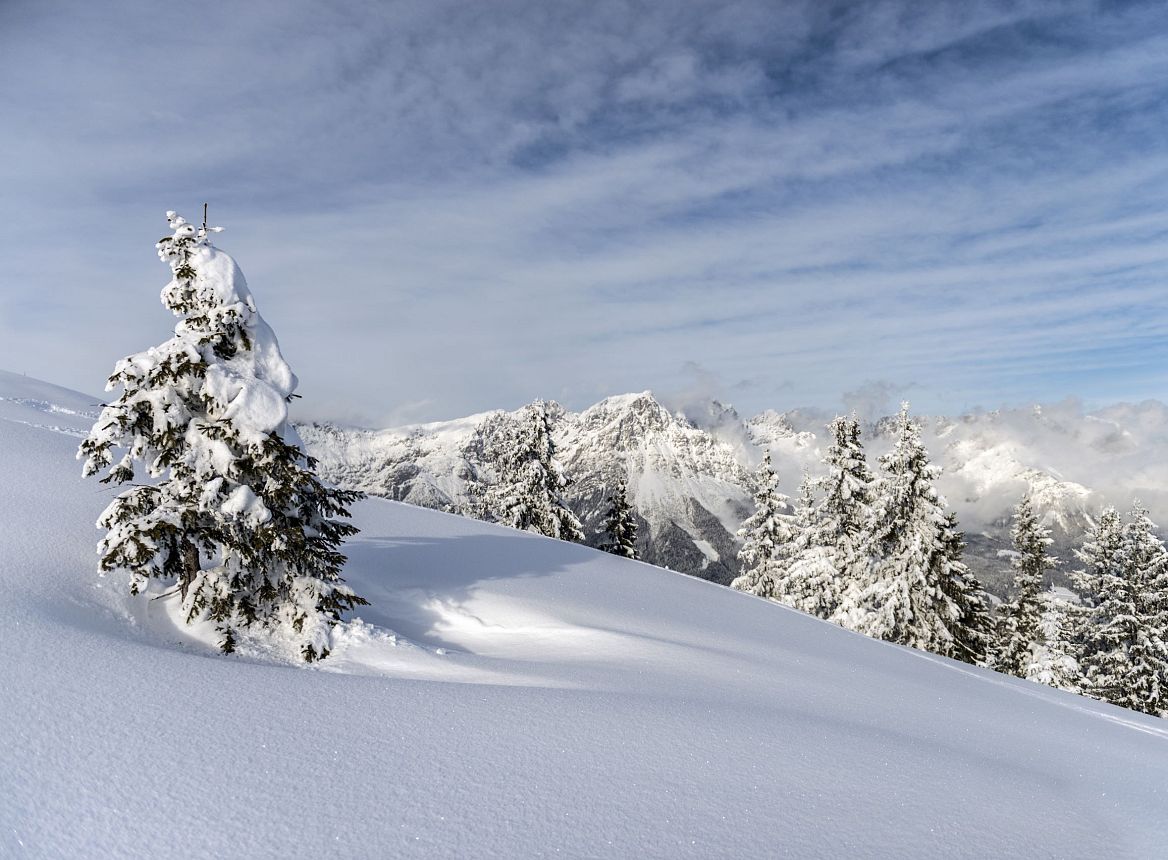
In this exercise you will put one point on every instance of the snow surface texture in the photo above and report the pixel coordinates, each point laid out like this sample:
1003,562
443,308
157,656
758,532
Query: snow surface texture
510,696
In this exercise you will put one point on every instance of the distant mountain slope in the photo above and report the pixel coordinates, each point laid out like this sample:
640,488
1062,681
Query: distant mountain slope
690,480
690,489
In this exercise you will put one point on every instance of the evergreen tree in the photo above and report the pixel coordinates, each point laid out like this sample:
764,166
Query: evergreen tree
901,594
1021,618
234,516
531,487
620,528
1125,656
1052,660
803,583
766,537
1102,557
489,447
973,633
1147,557
1147,561
835,549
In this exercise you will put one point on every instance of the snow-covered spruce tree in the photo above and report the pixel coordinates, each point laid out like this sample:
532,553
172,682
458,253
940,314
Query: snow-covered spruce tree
620,528
803,582
1147,563
530,492
973,632
766,537
234,516
900,595
1125,658
1019,627
1052,660
835,549
1102,556
492,442
1150,558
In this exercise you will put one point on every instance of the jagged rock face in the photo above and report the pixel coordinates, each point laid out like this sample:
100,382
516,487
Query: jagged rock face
690,479
688,489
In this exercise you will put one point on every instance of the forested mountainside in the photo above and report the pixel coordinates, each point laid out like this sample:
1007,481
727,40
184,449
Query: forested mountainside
690,478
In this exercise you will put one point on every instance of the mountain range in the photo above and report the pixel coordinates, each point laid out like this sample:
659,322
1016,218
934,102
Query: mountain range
690,471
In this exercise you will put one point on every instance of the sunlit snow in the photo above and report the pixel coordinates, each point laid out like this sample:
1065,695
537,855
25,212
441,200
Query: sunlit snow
509,695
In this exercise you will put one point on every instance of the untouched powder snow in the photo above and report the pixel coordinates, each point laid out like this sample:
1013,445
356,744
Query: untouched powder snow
510,696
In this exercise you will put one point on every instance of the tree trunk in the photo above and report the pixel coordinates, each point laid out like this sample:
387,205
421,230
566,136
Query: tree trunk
190,562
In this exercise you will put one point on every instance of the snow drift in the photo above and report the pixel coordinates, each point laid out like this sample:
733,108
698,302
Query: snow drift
508,695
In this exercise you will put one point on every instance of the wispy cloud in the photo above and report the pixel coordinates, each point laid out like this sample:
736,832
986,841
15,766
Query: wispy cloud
459,206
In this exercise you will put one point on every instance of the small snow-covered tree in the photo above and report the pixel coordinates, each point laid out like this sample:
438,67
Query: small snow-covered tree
1021,618
1052,660
805,581
973,632
1148,562
491,444
1102,557
530,492
1125,654
620,528
234,515
836,546
900,595
766,537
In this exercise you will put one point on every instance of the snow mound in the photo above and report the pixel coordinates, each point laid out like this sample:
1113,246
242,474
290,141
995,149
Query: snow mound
507,695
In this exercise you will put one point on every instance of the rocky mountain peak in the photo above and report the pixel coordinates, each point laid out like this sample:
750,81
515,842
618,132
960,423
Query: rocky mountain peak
625,418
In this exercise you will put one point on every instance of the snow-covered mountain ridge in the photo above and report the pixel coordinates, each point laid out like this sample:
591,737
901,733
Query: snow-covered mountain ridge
690,481
690,488
506,695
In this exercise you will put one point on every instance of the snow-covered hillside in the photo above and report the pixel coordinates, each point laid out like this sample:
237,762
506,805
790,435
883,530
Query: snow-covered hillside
690,482
510,696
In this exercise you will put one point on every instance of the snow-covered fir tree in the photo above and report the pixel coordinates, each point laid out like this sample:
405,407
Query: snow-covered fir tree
1147,563
901,594
973,632
835,549
803,582
491,444
1125,655
620,528
233,515
1102,556
1150,557
1019,627
766,537
530,492
1052,661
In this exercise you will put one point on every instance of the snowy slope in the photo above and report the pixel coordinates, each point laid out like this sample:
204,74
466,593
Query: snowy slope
511,696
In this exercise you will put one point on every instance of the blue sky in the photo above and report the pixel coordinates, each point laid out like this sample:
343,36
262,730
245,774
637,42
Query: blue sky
450,207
